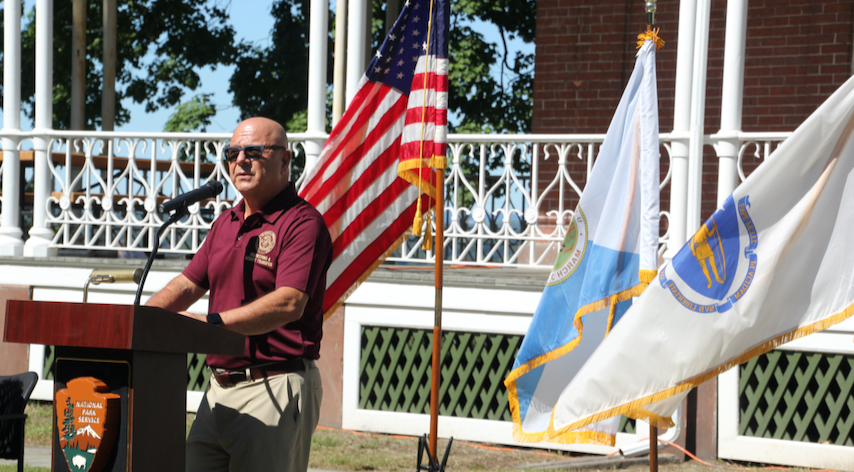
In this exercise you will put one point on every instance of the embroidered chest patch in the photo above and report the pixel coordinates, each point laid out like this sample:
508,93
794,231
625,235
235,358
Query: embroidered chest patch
265,243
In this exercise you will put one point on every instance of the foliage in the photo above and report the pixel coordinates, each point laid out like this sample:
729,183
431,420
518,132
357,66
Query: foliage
273,81
193,115
159,48
489,91
484,103
162,44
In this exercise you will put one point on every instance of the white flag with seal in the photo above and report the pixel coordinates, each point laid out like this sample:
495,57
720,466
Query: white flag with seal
774,263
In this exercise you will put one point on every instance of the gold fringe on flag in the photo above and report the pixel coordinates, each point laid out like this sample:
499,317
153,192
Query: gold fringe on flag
385,255
417,223
647,276
611,309
635,409
653,35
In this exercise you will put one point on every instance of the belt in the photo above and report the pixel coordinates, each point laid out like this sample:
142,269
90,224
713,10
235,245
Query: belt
230,378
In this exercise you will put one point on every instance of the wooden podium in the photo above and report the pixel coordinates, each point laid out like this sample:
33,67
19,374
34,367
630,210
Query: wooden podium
141,354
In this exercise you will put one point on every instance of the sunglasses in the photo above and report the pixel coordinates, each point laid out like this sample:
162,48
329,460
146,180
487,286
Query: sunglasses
252,152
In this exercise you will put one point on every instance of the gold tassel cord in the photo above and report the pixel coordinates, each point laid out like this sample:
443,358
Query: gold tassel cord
428,243
653,35
418,222
428,235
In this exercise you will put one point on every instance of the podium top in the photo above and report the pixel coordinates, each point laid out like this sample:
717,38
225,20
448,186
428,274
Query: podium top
128,327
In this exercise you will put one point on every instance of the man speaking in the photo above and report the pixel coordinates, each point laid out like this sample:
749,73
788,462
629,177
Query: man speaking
264,262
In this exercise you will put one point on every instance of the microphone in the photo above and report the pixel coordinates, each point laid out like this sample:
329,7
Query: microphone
109,276
181,202
115,276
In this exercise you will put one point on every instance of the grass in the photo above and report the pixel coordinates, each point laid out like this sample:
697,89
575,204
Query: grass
14,468
39,423
333,449
353,451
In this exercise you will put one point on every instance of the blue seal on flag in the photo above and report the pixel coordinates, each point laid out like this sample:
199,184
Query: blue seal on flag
708,266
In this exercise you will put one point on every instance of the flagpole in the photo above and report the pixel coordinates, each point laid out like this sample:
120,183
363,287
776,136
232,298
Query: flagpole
653,430
439,251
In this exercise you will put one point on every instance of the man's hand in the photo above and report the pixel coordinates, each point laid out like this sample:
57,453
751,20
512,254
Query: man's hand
195,316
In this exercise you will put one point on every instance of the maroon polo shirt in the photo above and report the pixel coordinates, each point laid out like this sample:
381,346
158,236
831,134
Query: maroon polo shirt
286,244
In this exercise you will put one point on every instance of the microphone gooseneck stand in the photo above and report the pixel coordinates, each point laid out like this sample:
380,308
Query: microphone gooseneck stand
180,213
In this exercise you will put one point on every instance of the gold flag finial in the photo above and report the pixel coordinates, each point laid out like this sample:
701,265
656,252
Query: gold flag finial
650,8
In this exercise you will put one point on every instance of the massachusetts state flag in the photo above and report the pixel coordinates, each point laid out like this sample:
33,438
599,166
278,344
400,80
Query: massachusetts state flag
396,123
609,254
775,262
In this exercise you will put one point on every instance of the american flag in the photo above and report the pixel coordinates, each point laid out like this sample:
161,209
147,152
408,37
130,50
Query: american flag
391,134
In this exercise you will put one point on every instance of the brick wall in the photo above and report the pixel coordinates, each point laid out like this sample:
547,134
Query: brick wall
797,53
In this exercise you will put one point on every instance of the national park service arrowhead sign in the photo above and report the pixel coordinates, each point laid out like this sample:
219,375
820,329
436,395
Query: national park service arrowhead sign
87,419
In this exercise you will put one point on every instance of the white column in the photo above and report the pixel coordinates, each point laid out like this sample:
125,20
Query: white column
356,44
11,243
732,98
340,61
316,114
38,245
681,117
698,116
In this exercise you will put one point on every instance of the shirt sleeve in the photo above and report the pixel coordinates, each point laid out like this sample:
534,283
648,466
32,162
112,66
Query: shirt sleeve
304,255
197,269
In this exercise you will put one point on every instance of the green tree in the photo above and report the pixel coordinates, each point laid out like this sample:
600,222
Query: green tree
193,115
273,81
487,104
491,89
160,46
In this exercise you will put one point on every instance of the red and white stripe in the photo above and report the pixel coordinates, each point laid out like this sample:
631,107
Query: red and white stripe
426,122
355,183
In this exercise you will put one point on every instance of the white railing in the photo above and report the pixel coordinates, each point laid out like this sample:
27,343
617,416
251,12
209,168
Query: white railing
110,202
756,147
508,197
502,208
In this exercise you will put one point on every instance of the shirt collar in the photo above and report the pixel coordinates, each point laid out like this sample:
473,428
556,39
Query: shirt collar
272,210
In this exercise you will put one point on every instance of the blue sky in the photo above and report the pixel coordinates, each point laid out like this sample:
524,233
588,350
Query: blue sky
252,22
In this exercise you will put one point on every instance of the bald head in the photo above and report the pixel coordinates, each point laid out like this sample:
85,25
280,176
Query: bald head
271,132
261,179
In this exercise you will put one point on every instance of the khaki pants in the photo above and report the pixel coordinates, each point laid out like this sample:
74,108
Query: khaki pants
265,425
